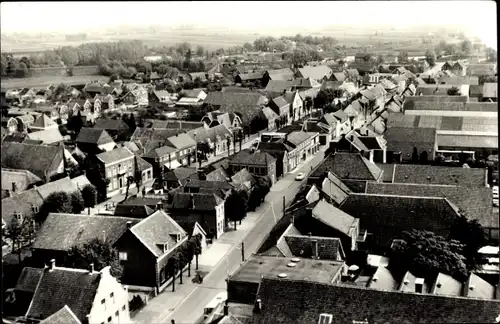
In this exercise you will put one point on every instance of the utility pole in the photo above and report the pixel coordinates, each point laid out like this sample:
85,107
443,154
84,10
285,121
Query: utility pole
283,205
242,251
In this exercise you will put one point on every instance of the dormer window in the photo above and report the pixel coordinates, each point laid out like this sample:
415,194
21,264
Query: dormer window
18,216
163,247
176,237
325,318
35,209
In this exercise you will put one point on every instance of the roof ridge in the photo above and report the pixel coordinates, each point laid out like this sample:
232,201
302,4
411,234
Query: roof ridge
400,196
94,216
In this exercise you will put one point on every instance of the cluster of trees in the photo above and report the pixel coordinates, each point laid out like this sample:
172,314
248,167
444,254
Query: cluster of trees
239,202
12,67
286,43
183,256
424,253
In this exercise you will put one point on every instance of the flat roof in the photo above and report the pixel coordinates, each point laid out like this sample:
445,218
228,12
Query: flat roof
306,269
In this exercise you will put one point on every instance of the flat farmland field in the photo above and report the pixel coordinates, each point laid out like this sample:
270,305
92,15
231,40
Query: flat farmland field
48,80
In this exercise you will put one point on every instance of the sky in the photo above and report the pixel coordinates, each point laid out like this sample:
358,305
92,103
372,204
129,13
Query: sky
479,16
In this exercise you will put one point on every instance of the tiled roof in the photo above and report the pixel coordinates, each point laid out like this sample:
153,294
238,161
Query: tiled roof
335,188
63,316
340,115
217,175
464,124
28,279
241,177
287,301
280,74
430,174
181,141
119,153
206,186
432,101
65,184
62,231
351,166
21,203
142,164
434,89
111,124
43,121
279,102
339,76
93,136
305,83
47,136
251,76
402,139
297,138
60,287
22,178
476,202
37,159
180,173
133,211
315,72
213,134
387,216
333,217
329,248
196,201
156,229
159,152
245,157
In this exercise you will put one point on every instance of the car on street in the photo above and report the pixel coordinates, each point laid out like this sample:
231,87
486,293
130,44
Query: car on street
300,176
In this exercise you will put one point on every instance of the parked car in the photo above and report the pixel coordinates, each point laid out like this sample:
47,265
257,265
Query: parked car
300,176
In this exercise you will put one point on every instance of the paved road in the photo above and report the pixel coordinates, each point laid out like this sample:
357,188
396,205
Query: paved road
191,309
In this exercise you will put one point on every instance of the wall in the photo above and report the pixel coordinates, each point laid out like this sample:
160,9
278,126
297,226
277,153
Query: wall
48,71
115,307
84,70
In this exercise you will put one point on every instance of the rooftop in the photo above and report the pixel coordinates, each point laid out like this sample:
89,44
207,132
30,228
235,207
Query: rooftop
257,266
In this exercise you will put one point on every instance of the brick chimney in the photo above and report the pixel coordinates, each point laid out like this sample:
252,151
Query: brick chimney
52,264
91,268
129,224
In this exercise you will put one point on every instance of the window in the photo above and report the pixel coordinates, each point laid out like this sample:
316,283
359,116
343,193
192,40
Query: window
325,319
109,319
149,175
123,256
103,302
123,307
112,296
19,216
117,313
35,209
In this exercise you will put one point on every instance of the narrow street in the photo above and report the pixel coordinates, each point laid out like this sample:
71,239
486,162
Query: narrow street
252,232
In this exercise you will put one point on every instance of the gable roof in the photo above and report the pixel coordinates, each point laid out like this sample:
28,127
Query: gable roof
287,301
65,184
111,124
117,154
406,213
280,74
218,174
63,316
213,134
315,72
335,188
476,202
47,136
43,121
333,217
196,201
402,139
158,228
28,279
20,203
93,136
431,174
22,178
329,248
62,286
352,166
142,211
245,157
37,159
243,176
60,232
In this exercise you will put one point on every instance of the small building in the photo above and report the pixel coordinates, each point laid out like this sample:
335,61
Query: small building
257,163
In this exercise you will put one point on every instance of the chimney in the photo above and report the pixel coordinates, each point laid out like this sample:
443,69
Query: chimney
419,285
191,201
258,305
52,264
104,236
292,220
91,268
129,224
315,249
159,206
226,308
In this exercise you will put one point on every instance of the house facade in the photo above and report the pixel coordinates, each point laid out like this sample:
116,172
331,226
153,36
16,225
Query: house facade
257,163
116,166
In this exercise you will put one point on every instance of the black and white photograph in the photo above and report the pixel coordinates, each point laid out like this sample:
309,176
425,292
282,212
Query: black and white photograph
249,162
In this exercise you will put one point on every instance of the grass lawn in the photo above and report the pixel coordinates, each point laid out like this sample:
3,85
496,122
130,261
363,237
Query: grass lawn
48,80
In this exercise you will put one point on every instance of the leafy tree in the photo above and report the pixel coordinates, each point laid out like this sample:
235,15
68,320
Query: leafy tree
424,253
77,202
199,50
19,233
172,268
248,47
189,253
197,247
56,202
235,206
75,123
471,234
183,48
89,195
324,97
68,55
100,253
466,46
403,57
144,67
22,70
450,49
453,91
430,57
